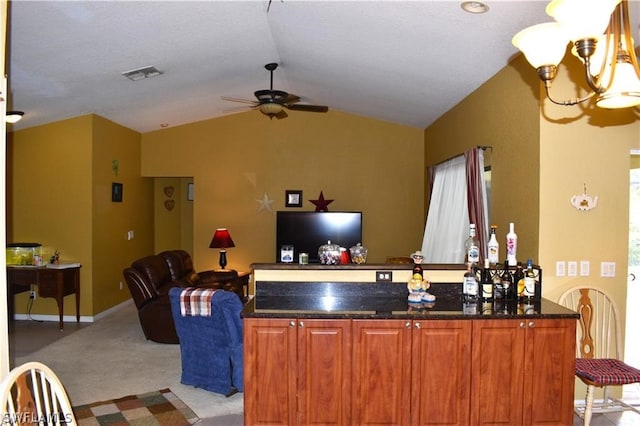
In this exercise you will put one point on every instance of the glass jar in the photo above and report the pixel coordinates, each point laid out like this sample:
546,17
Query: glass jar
358,254
329,254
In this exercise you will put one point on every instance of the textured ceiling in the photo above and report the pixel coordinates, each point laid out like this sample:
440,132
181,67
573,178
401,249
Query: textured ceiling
403,62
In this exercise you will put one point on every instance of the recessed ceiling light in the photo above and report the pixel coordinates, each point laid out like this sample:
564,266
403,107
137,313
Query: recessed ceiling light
142,73
476,7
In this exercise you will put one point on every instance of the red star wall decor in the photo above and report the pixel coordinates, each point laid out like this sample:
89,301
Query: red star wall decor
321,204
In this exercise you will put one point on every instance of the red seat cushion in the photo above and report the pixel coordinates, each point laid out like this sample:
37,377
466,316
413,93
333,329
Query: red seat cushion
606,371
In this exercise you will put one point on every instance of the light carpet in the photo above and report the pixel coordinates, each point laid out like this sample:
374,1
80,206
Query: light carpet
111,358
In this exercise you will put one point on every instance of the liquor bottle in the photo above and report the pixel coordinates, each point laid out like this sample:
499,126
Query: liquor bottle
417,270
512,245
472,247
507,283
470,284
486,282
518,280
498,291
493,247
529,281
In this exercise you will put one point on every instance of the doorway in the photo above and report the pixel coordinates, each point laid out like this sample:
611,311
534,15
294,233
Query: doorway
632,344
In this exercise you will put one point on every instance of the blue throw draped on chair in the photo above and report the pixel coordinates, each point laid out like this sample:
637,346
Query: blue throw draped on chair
211,346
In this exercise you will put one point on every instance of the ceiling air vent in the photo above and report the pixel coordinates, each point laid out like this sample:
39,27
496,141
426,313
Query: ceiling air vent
141,73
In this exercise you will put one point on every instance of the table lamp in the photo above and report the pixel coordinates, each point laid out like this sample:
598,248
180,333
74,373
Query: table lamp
222,240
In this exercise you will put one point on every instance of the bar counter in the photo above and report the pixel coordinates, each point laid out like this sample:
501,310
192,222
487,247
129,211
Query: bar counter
384,301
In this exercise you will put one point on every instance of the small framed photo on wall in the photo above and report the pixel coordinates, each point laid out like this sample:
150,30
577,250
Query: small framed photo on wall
116,192
293,198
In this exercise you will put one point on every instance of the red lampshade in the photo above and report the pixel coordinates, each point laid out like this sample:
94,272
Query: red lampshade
221,239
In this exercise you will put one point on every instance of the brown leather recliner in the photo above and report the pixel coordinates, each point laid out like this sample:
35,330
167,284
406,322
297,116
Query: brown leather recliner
149,280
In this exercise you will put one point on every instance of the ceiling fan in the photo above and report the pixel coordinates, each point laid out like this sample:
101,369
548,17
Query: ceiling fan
273,102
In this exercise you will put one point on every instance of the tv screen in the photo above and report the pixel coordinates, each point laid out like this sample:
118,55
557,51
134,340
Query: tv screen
307,231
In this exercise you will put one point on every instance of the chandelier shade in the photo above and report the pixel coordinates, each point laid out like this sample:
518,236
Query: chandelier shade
582,19
601,36
542,44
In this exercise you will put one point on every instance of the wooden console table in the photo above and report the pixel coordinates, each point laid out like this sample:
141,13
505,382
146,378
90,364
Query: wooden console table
51,282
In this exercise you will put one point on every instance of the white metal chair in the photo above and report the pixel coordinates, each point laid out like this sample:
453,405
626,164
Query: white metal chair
598,351
32,394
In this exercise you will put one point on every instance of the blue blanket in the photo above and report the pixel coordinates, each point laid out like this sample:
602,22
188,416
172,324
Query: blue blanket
211,346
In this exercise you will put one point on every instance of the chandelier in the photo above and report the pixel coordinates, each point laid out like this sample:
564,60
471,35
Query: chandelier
600,34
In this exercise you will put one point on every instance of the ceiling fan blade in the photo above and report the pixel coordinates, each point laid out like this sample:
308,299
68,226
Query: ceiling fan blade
292,99
239,109
244,101
308,108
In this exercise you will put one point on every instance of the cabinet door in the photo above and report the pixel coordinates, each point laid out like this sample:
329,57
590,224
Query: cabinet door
549,372
498,355
324,372
381,372
441,372
270,371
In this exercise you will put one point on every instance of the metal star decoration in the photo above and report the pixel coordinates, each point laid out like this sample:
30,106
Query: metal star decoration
321,204
265,203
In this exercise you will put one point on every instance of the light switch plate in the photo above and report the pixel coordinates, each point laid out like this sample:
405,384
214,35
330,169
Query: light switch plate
560,268
584,268
572,268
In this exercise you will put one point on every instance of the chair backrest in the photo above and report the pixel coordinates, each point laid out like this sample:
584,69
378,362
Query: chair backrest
32,394
599,334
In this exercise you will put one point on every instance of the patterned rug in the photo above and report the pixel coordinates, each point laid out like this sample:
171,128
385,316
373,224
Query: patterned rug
153,408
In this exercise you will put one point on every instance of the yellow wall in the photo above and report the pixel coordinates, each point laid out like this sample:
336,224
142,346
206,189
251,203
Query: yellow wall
173,228
501,113
59,194
112,251
363,164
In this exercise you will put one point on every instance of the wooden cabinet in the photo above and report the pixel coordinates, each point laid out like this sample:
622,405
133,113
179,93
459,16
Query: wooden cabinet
297,371
409,372
381,372
441,372
523,372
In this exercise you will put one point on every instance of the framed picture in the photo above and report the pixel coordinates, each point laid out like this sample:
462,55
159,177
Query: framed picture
293,198
190,192
116,192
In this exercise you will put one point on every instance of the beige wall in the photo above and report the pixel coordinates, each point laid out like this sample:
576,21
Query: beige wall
363,164
501,113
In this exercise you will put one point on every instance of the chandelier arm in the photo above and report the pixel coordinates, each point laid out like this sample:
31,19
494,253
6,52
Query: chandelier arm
575,101
591,80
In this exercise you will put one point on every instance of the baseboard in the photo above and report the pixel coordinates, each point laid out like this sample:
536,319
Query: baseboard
72,318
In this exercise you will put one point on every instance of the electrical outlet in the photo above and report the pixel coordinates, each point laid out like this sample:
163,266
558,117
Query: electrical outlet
32,295
384,276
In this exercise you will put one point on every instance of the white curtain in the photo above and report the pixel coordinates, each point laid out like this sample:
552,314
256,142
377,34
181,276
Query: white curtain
447,225
448,219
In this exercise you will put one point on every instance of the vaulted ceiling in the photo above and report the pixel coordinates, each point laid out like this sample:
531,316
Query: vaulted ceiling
406,62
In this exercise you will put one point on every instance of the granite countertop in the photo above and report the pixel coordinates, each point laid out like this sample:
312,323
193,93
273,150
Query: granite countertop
395,307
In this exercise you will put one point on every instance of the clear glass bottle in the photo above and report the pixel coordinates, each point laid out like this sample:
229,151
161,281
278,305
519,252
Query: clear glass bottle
470,284
512,245
472,247
493,247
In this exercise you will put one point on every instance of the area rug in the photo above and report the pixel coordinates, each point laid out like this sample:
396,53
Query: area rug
153,408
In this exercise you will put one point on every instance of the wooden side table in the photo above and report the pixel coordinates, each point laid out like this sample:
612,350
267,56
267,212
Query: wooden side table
51,282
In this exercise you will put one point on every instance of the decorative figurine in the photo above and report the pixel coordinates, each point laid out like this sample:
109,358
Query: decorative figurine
55,259
418,285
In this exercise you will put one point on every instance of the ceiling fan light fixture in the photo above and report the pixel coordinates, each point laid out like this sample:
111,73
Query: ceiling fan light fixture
270,108
14,116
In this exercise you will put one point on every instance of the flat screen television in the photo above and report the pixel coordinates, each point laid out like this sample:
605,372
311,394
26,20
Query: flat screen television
307,231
